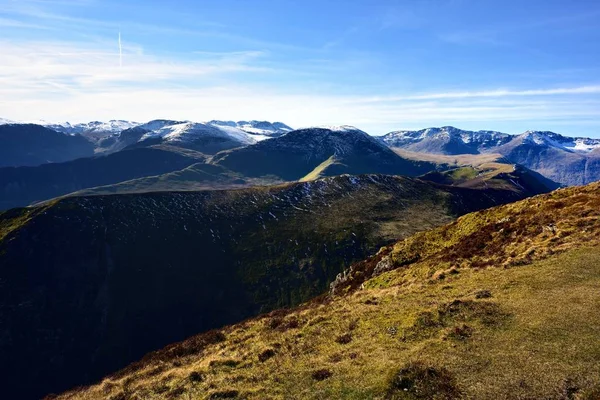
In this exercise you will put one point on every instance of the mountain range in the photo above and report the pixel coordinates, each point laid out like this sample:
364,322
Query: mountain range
165,229
566,160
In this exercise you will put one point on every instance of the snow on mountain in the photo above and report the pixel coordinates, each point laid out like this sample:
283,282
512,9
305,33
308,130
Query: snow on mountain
338,128
477,138
572,144
110,127
451,140
191,131
263,129
5,121
157,124
341,140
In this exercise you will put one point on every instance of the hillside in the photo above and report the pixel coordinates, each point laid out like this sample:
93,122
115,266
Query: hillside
296,155
570,161
496,175
23,186
109,278
200,176
30,145
500,304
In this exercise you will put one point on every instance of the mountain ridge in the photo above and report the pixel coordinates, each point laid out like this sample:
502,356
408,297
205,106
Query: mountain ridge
567,160
458,311
116,276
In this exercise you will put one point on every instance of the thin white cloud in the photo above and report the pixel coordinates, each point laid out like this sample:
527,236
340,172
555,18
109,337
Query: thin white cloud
16,23
96,67
498,93
58,81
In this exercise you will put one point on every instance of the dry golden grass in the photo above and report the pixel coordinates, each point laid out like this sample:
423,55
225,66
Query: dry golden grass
318,171
513,315
460,160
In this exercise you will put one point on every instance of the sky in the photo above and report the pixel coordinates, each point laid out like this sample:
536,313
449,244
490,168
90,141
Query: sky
380,65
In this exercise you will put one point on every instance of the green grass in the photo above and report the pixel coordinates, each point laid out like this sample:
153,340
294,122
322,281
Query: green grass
496,330
526,346
132,273
463,174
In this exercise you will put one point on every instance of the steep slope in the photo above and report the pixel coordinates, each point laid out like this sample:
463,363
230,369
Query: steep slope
131,136
30,145
298,153
446,140
501,304
200,176
486,173
22,186
122,140
569,161
92,283
494,175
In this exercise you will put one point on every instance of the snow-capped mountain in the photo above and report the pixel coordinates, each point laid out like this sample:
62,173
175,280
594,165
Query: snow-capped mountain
206,138
565,160
446,140
573,144
110,127
261,129
158,124
6,121
191,131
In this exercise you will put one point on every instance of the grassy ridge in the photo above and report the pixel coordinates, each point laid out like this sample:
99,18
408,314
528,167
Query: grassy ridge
501,304
109,278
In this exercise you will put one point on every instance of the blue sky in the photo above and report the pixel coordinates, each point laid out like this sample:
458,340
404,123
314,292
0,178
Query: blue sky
379,65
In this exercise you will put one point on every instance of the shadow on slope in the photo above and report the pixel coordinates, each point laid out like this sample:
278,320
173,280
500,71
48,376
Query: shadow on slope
92,283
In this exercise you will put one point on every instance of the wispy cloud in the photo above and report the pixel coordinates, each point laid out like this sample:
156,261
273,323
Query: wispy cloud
497,93
63,81
15,23
95,67
219,72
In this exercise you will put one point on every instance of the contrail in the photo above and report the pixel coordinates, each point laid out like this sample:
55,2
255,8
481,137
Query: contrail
120,51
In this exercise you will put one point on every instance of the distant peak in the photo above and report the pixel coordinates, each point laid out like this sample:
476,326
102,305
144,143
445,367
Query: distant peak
337,128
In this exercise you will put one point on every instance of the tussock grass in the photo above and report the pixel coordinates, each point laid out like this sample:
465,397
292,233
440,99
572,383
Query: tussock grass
499,329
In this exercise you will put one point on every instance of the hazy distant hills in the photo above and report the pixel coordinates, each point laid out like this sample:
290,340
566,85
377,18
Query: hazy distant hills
21,186
170,147
567,160
93,131
40,143
70,158
446,140
29,145
570,161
